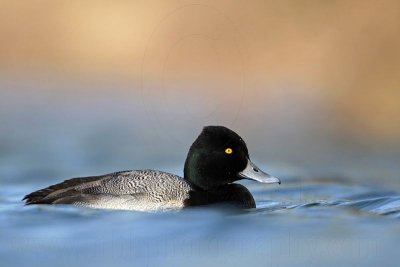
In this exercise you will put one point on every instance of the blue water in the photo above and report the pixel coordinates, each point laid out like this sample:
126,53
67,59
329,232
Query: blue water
301,224
342,209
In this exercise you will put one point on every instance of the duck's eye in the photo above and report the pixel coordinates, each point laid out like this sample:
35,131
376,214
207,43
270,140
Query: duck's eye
228,150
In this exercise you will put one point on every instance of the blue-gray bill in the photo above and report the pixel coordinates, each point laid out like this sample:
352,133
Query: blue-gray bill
252,172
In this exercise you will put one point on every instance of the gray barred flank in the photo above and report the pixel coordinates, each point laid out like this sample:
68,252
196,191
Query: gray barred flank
137,189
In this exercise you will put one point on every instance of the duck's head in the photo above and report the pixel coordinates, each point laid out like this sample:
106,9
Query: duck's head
219,156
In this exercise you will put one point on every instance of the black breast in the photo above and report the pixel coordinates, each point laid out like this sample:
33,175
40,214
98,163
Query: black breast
231,194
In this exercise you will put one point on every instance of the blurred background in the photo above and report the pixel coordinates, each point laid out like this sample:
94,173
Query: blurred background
92,87
88,87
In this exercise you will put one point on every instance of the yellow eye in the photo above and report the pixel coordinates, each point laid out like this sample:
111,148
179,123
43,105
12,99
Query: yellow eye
228,150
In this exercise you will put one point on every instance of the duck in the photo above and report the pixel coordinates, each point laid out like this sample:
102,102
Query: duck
215,161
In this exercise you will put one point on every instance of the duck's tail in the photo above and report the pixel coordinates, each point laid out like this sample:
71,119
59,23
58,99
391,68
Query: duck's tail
51,194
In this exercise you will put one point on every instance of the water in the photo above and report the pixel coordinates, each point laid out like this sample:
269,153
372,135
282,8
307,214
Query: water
302,224
346,219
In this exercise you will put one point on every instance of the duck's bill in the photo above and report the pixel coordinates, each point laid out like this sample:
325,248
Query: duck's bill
254,173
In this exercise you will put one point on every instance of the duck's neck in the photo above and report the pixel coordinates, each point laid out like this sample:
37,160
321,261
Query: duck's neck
191,170
202,175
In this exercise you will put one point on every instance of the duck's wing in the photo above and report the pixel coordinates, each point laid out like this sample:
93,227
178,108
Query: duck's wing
68,188
132,183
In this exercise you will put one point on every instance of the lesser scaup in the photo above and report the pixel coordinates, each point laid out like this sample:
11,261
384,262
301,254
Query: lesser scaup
216,159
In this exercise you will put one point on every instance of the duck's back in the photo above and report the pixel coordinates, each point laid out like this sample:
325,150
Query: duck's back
142,190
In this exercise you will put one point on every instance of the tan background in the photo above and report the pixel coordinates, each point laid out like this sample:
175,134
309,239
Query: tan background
347,49
303,81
